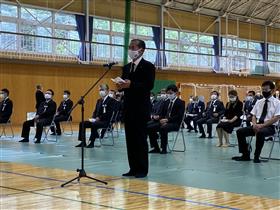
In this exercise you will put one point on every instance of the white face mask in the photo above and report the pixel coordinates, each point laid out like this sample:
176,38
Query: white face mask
48,96
102,93
111,95
171,96
151,98
191,100
249,98
232,99
134,54
65,96
214,97
2,95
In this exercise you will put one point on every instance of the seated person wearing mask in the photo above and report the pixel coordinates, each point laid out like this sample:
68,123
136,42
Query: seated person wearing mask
101,117
44,117
231,118
63,112
248,106
6,106
168,120
266,115
194,113
214,110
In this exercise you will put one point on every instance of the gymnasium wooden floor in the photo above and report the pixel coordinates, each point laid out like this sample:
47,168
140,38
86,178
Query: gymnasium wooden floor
28,187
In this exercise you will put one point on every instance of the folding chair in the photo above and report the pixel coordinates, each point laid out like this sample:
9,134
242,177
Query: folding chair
4,126
46,130
175,140
69,122
110,129
275,138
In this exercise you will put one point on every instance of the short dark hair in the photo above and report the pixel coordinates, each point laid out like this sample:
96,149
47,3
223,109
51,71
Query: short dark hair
67,92
39,87
232,92
140,43
5,90
269,83
51,91
253,92
214,91
172,87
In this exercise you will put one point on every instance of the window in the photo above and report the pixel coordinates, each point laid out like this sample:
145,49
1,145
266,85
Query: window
170,34
36,15
8,41
101,50
206,39
144,31
188,37
274,52
8,10
101,24
65,19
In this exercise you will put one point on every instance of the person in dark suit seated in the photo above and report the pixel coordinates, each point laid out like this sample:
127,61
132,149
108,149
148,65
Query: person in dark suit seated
266,115
231,118
6,106
63,112
100,119
39,96
214,110
248,106
44,116
194,113
169,120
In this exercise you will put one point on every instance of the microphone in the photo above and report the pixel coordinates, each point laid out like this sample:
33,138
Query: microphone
110,64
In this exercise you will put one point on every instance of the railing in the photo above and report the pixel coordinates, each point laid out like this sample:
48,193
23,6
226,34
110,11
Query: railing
42,48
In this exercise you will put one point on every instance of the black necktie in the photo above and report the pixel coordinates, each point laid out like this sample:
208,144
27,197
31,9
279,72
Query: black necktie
264,112
132,67
169,109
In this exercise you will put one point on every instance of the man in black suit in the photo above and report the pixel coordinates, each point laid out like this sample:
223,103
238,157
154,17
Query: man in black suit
214,110
248,106
139,76
6,106
170,119
100,119
194,113
63,112
44,117
39,96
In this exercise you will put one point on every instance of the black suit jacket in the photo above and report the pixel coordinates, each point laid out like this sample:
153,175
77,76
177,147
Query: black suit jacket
137,97
46,110
6,109
104,110
196,108
65,107
248,106
216,106
177,112
39,95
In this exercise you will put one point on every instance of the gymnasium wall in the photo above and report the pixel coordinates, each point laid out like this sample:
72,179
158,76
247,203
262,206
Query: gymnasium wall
21,78
150,14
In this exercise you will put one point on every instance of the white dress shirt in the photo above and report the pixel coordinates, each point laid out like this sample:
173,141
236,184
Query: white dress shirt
273,108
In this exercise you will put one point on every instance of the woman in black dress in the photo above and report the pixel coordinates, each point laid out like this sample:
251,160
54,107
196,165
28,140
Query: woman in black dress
231,118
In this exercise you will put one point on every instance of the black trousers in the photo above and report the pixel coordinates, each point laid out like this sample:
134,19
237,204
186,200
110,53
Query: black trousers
94,126
57,120
137,145
154,127
188,120
242,133
3,120
39,128
209,122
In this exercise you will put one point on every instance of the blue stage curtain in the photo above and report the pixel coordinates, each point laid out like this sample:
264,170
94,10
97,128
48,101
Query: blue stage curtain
156,38
217,43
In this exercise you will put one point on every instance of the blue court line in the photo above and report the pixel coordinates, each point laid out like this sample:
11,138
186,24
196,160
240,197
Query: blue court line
132,192
58,197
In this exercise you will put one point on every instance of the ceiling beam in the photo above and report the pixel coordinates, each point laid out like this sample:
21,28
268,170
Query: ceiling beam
274,17
226,6
253,7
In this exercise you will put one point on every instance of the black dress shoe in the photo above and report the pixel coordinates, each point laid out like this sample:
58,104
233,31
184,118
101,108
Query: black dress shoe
202,136
80,145
24,140
91,145
163,152
210,137
129,174
257,160
37,142
195,131
236,157
140,175
242,158
154,151
56,134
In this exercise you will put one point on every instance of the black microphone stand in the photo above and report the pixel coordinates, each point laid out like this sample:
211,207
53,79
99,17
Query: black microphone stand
82,172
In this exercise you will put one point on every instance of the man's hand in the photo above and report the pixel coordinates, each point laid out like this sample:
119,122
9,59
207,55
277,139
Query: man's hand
124,85
156,117
97,119
215,114
257,127
163,121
